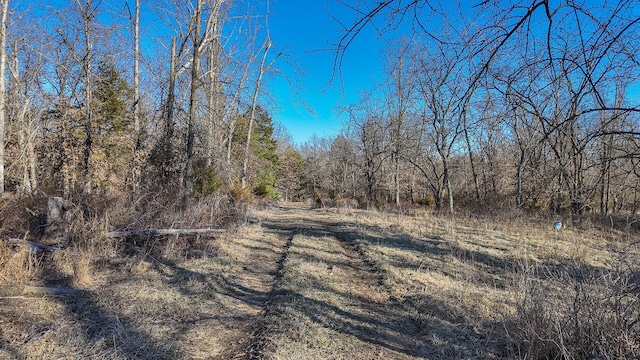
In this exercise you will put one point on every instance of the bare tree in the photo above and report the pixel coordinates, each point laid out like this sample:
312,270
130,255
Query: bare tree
88,11
136,100
254,103
23,82
560,78
400,99
440,87
3,65
216,96
370,128
191,120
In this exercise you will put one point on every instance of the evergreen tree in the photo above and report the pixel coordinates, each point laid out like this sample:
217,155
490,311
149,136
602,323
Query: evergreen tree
264,160
113,127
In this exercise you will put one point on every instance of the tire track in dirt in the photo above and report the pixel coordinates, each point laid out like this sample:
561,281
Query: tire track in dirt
394,309
254,349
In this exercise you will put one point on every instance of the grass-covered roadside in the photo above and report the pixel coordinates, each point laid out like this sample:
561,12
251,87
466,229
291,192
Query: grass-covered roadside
508,287
157,303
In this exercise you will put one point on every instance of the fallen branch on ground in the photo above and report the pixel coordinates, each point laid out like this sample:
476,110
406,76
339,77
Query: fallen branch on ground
37,248
33,247
158,232
39,290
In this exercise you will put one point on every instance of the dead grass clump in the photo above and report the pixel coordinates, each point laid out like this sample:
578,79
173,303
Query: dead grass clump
574,313
82,271
20,266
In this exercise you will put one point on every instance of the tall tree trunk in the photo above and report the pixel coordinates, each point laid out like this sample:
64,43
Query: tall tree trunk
136,101
64,147
605,176
254,104
167,148
26,188
87,17
396,179
519,170
214,140
212,144
191,121
31,156
447,183
25,133
474,173
3,94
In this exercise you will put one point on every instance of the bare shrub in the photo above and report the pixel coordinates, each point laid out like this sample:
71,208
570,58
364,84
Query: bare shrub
15,213
575,312
345,206
326,202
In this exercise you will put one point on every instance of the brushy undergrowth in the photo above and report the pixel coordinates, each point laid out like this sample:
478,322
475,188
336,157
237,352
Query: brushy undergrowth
528,291
82,231
575,312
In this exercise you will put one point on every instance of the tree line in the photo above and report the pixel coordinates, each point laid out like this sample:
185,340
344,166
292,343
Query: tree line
527,104
103,97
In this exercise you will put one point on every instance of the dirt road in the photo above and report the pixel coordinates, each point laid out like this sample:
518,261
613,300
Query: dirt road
300,284
328,302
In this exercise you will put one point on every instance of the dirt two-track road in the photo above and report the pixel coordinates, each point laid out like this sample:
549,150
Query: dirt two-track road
332,298
296,284
327,300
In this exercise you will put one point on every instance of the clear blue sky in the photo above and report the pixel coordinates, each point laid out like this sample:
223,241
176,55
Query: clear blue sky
306,30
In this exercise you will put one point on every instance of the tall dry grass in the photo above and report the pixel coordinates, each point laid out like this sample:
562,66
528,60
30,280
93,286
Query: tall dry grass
575,311
528,291
88,221
19,266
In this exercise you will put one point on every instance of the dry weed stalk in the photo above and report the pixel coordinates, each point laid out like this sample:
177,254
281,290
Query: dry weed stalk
20,266
574,312
82,270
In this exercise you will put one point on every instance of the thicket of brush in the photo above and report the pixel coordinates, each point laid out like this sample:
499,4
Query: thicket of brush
574,311
82,232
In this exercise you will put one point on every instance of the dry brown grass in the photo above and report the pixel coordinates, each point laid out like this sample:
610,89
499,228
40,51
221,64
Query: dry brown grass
157,298
148,307
349,284
19,266
529,291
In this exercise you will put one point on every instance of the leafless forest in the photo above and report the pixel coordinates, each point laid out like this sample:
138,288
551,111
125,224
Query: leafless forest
491,121
531,105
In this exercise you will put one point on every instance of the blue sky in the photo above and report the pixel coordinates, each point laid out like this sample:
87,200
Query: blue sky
306,30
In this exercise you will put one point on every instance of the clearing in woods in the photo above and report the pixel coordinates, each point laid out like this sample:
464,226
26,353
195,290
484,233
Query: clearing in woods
300,284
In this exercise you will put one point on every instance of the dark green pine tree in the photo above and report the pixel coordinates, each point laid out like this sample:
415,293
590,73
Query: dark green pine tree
265,163
113,127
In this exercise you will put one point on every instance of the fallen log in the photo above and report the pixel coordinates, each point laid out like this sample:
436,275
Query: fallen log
33,247
159,232
39,290
38,248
